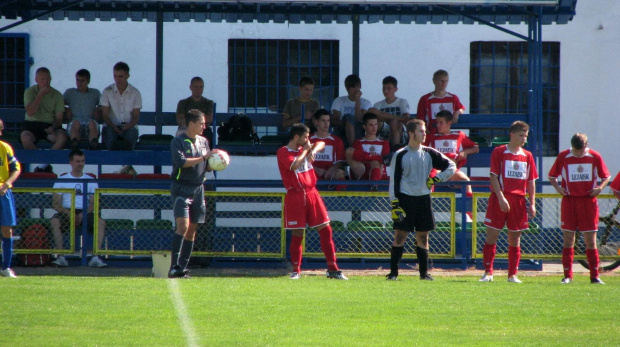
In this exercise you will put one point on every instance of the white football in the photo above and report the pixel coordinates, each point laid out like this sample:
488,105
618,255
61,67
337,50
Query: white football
219,161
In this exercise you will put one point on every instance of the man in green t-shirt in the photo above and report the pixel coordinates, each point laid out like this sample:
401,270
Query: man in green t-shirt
45,108
198,102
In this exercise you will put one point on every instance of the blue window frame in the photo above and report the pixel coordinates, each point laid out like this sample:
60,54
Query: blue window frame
14,68
498,84
264,74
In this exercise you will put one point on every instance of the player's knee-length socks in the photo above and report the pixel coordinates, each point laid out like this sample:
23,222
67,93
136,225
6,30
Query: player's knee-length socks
397,254
186,252
514,256
177,242
7,252
295,250
328,248
422,255
568,256
593,262
488,256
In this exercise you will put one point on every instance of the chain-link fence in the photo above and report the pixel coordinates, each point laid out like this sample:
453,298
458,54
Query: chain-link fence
362,226
236,224
35,232
544,238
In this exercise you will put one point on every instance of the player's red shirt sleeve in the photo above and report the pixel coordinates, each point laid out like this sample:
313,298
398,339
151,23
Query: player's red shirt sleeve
422,112
615,185
603,173
457,103
466,142
386,149
496,160
532,166
339,150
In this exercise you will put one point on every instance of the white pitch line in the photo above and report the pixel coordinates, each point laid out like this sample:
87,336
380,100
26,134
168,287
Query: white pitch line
186,322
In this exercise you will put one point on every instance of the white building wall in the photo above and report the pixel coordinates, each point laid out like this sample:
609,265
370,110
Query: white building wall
590,61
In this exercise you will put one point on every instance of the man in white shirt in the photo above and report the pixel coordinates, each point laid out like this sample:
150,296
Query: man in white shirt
120,107
62,203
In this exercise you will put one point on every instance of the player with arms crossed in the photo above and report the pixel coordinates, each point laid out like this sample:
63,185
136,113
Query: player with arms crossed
513,172
328,163
302,204
579,169
190,154
410,195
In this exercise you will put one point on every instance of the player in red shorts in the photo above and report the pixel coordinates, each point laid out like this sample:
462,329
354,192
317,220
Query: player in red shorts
615,186
303,206
438,100
453,144
328,163
513,172
365,158
579,169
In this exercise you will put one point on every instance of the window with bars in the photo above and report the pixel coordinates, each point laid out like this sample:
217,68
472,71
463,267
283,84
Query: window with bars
498,84
264,74
14,67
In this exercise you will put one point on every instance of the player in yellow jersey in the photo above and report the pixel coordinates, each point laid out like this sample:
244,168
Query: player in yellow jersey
9,171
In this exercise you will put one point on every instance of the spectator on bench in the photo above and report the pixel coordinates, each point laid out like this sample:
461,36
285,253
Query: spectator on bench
453,144
60,222
365,158
392,113
437,100
330,162
120,107
45,108
292,111
348,110
196,102
82,111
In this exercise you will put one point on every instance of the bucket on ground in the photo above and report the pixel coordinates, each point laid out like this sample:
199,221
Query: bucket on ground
161,265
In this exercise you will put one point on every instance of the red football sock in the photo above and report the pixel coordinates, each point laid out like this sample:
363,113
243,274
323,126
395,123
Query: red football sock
488,256
295,250
328,248
568,256
375,174
514,256
593,262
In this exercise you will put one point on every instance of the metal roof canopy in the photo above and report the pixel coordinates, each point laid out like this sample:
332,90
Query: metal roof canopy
534,13
296,11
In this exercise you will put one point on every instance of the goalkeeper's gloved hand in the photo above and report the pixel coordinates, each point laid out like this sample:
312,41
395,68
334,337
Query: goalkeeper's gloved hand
431,181
398,214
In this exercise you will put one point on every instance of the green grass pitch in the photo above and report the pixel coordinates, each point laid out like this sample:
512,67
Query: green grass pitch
313,311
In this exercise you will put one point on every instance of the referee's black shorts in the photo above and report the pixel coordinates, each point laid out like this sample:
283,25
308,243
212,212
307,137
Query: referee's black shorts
419,213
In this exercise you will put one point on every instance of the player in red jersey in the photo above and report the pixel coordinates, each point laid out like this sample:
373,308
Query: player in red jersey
579,169
328,163
303,206
513,173
615,186
438,100
365,158
453,144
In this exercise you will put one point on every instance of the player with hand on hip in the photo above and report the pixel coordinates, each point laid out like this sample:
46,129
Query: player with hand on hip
579,169
410,195
303,206
513,172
